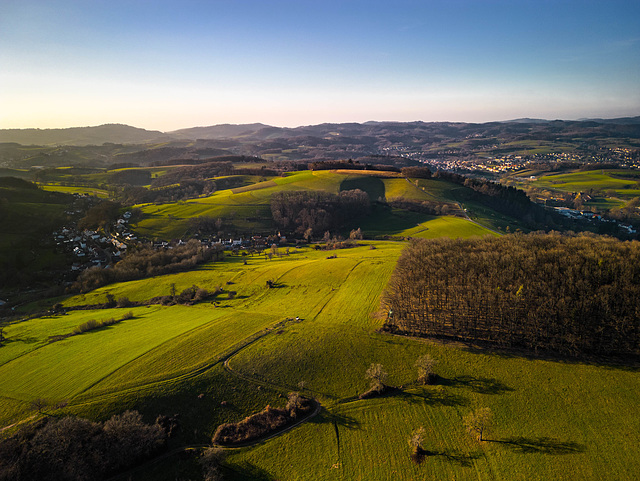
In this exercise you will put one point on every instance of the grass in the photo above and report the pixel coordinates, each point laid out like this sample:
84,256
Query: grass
447,226
75,190
553,420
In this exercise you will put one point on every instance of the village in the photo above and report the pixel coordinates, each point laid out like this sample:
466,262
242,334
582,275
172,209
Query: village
91,249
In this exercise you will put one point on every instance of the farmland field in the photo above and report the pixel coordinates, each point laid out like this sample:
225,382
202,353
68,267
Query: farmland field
600,180
75,190
247,208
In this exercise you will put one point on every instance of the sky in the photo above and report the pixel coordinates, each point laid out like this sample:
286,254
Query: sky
166,65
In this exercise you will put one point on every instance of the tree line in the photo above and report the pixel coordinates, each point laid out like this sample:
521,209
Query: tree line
350,165
514,202
315,212
566,294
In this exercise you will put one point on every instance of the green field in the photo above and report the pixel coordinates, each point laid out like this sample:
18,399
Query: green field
594,180
553,420
75,190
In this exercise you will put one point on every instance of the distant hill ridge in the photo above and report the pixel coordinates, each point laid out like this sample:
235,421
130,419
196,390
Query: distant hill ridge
114,133
125,134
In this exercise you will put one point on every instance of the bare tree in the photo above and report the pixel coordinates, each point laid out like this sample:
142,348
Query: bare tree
294,404
210,461
416,440
478,421
377,375
426,365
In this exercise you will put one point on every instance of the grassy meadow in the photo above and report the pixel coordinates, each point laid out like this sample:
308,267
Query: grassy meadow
552,419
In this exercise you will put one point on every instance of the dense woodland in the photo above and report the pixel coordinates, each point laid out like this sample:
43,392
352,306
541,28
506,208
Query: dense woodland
318,211
570,295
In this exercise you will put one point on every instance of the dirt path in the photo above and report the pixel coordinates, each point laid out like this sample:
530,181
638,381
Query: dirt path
17,423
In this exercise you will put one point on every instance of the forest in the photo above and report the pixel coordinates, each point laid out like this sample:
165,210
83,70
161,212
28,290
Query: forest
319,211
564,294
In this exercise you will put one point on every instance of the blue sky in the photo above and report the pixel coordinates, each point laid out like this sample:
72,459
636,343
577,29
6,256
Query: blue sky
173,64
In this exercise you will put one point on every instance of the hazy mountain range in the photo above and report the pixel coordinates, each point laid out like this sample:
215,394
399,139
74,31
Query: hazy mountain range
125,134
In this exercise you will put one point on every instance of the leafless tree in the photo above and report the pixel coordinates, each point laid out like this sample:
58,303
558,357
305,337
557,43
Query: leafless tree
377,375
478,422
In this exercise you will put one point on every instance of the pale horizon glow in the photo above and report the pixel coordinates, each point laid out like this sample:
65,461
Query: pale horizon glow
168,65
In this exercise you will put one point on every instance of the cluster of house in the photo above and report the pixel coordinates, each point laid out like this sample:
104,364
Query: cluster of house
579,214
89,247
92,249
257,242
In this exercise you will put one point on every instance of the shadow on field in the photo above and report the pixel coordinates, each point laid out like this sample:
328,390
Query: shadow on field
246,472
433,398
461,459
480,385
542,445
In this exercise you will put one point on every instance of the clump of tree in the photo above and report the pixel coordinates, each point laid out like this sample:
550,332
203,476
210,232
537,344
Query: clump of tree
73,449
314,212
184,189
147,262
478,422
189,296
265,422
206,225
566,294
100,215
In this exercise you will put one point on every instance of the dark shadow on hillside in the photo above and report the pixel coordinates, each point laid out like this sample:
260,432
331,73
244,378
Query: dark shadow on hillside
246,472
542,445
337,419
25,340
373,186
623,363
481,385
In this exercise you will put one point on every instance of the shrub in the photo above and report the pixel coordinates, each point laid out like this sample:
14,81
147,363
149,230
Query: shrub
201,294
123,302
86,326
